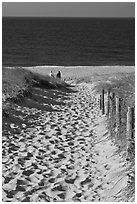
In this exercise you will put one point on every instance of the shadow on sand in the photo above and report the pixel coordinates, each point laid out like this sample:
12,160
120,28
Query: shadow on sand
39,102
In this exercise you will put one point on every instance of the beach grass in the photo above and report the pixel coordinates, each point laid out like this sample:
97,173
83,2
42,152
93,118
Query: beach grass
17,81
17,84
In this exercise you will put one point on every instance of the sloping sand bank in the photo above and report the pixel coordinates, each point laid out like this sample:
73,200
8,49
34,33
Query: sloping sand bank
63,154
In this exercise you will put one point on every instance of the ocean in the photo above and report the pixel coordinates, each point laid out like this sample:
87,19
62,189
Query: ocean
68,41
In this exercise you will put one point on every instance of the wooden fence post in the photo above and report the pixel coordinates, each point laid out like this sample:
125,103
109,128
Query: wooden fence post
118,114
108,102
112,104
102,104
130,123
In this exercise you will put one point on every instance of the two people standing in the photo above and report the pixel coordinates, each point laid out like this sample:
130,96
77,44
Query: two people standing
57,76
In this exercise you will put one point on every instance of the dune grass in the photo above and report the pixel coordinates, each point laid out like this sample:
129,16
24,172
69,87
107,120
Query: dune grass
17,84
17,80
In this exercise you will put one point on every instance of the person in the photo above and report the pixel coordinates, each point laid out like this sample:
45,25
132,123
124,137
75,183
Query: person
51,74
58,75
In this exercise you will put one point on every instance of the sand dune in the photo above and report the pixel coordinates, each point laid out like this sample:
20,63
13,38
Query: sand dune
64,154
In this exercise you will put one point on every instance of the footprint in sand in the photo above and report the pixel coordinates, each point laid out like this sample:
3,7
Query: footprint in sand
54,158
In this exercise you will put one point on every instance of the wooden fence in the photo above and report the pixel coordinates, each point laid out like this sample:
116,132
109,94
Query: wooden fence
110,105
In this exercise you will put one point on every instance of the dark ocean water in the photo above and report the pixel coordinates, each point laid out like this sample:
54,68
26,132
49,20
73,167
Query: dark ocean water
68,41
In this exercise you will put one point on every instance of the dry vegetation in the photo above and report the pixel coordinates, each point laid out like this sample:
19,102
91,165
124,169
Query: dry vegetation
14,81
17,84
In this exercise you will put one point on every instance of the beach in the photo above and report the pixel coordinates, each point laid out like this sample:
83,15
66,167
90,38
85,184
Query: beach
82,72
60,149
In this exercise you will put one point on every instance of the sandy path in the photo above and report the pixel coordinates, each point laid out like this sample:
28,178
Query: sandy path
66,155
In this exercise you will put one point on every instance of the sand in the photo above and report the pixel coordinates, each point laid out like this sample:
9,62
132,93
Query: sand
90,73
64,154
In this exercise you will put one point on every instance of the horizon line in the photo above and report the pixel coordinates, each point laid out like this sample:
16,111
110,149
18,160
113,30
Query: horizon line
65,17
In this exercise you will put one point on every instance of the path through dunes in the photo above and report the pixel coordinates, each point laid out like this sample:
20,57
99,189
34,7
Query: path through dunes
61,152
